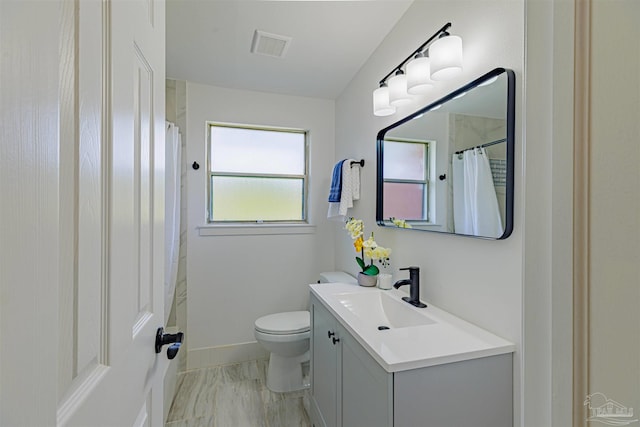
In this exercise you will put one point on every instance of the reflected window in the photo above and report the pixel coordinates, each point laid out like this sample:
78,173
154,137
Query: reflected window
257,174
406,179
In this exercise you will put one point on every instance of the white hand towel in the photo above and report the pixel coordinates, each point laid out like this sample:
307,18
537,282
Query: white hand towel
350,191
355,185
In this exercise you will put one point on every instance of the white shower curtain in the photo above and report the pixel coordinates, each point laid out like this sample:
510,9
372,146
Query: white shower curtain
475,204
173,149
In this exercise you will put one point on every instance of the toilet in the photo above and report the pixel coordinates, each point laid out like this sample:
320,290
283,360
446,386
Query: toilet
286,336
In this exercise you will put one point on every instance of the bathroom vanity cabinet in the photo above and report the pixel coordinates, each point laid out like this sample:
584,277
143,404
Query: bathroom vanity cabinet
349,388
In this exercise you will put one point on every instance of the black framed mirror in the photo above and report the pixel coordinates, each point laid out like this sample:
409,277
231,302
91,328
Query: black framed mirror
449,167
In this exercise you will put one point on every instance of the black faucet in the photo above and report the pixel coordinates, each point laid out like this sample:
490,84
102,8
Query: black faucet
414,283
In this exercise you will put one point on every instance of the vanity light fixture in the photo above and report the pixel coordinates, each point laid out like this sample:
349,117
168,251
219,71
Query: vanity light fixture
414,75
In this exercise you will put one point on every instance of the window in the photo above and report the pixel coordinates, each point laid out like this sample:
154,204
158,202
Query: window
406,183
257,174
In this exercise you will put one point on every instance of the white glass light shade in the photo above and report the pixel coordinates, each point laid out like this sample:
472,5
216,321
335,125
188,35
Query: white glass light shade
446,57
381,105
398,95
419,76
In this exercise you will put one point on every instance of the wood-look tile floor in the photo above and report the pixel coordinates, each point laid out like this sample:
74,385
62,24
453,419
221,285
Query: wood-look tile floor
234,396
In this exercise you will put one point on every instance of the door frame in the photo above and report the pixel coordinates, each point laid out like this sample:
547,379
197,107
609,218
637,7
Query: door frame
581,206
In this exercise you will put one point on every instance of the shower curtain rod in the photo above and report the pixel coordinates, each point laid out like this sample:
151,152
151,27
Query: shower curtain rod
488,144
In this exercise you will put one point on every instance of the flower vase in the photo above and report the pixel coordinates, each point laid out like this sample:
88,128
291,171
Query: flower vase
366,280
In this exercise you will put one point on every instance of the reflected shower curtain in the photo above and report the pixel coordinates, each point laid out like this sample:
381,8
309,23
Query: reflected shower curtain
475,204
173,149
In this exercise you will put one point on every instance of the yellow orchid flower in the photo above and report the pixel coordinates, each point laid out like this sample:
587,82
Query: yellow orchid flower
358,244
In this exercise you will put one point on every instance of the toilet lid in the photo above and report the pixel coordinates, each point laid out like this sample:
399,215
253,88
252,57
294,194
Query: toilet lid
291,322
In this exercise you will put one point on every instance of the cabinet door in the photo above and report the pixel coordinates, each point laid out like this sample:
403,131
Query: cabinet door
476,392
367,389
324,367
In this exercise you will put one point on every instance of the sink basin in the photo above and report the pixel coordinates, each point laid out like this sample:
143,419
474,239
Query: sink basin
383,311
418,337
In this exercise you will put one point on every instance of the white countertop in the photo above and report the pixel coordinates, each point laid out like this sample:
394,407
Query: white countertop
445,339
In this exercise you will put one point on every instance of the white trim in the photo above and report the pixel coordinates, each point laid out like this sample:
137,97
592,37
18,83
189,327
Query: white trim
582,208
143,319
79,391
105,176
304,177
255,229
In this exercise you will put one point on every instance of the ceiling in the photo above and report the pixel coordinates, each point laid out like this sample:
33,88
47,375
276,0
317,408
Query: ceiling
209,42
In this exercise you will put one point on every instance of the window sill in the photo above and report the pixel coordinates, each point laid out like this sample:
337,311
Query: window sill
255,229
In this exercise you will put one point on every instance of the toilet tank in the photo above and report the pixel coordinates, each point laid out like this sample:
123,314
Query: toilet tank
337,276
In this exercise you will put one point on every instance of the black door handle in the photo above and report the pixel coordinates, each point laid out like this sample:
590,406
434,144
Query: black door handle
174,339
330,334
335,340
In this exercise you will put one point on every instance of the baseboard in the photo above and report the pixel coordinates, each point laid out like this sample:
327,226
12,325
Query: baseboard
225,355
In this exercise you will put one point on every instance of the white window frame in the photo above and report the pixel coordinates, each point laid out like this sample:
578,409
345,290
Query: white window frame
429,196
242,225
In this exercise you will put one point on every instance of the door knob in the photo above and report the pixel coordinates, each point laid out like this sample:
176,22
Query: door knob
163,339
335,340
330,334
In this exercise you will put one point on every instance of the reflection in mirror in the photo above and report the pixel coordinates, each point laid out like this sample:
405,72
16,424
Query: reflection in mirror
449,167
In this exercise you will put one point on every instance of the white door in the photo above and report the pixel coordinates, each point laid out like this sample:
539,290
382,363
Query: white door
82,208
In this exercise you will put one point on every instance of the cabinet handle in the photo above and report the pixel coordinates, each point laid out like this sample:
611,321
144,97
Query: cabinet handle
330,334
335,340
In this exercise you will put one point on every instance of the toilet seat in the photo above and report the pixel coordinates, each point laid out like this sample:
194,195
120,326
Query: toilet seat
292,322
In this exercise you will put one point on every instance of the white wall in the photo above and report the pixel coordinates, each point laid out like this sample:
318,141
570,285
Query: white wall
478,280
548,257
233,280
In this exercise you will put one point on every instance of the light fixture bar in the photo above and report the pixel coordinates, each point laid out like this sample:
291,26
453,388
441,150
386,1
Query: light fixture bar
419,49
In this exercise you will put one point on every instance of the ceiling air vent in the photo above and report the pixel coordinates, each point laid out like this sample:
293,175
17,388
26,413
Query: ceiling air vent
269,44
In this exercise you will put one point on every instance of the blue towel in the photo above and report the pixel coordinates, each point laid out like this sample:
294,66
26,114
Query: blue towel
336,183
